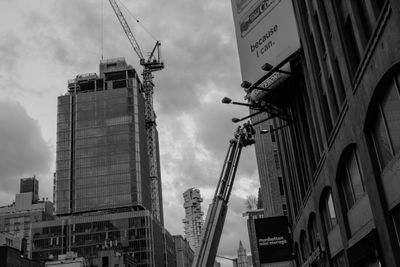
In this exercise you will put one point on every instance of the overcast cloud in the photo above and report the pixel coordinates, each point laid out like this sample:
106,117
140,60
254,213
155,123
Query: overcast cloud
45,43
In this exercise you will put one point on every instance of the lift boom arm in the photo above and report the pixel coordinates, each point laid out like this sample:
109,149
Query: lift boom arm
212,230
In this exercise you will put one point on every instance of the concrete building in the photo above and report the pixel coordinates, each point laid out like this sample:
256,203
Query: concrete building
340,158
169,249
193,221
111,257
70,259
16,218
272,192
10,240
251,229
183,251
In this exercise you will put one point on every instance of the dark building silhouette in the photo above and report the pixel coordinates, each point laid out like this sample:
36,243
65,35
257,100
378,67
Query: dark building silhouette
11,257
30,185
340,158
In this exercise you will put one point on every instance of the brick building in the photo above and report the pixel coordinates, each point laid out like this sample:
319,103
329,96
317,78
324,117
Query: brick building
340,158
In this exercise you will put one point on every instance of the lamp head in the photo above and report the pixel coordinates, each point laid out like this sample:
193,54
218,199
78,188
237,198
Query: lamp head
267,67
264,131
235,120
226,100
245,84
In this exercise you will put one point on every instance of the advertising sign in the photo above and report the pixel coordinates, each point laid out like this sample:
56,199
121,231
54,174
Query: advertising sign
266,32
273,240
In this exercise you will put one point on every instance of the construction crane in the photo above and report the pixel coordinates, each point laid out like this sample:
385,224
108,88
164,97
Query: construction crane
151,64
211,233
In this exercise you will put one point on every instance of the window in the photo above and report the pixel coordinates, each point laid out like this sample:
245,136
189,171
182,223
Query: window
339,261
354,54
385,130
9,242
271,130
304,248
281,189
105,261
328,212
351,180
276,157
312,232
396,219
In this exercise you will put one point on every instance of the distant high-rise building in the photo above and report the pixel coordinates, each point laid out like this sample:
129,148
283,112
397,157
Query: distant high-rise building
242,259
193,216
30,185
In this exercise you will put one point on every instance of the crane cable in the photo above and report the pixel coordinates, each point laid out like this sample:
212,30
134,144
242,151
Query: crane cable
137,21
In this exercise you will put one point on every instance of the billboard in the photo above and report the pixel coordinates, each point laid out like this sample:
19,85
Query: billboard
273,239
266,32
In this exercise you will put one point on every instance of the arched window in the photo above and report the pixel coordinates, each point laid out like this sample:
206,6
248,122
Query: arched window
328,212
385,126
296,250
304,246
350,179
312,231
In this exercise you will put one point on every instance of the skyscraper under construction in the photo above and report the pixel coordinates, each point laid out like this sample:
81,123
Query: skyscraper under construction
102,184
101,142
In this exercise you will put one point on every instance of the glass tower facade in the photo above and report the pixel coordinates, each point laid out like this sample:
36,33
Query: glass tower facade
136,233
102,183
101,142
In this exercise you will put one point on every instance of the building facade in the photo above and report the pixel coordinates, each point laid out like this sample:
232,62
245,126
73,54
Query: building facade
102,160
340,157
16,218
183,251
272,191
251,229
134,233
193,221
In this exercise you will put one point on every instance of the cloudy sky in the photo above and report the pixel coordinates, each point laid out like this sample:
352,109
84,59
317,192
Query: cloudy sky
45,43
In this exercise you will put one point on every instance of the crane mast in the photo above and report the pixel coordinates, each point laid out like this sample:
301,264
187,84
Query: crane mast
212,230
152,64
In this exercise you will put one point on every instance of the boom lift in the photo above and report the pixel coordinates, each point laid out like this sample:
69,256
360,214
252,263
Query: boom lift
211,234
152,64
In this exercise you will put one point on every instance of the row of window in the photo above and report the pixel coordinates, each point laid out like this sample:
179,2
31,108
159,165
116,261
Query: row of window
382,130
345,25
